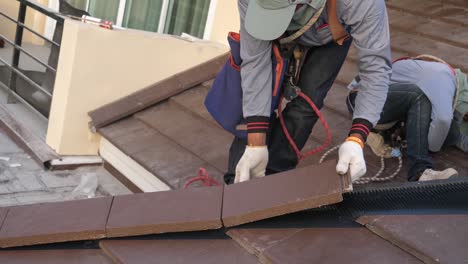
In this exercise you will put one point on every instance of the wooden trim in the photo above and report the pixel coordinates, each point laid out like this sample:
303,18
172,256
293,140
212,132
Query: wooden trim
156,93
73,162
121,178
133,171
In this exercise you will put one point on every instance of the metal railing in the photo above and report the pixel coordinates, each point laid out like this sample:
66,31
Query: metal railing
18,49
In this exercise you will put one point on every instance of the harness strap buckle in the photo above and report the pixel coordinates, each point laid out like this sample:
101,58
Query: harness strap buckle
291,91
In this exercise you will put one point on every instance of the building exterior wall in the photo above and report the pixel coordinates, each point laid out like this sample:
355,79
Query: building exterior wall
98,66
34,20
225,19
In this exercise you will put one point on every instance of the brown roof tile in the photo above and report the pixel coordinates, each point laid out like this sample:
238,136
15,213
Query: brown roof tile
157,153
281,194
55,222
184,248
75,256
415,45
3,214
433,237
257,240
456,35
191,132
336,245
315,237
162,212
193,101
434,9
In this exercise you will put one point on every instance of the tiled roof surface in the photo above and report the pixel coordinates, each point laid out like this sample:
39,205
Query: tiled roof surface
173,138
186,134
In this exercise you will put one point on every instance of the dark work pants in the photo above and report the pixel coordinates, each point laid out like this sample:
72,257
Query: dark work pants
408,102
320,69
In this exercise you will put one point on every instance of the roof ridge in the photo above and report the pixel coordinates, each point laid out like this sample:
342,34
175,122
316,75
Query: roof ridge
156,93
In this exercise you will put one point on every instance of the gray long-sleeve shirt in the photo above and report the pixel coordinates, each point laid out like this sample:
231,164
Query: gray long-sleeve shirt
368,24
438,83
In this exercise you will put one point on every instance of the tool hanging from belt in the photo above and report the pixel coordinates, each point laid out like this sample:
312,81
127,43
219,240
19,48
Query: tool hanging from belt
291,91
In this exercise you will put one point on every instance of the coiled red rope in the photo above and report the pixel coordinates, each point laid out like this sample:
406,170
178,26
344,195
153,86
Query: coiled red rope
301,156
204,178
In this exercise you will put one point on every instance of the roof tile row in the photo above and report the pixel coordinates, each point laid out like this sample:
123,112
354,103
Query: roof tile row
312,237
157,92
173,211
432,236
70,256
194,248
281,194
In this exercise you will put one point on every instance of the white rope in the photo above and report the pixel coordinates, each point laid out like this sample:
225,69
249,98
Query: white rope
328,153
376,177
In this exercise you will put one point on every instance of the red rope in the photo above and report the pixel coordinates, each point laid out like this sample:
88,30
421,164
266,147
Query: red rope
204,178
301,156
208,181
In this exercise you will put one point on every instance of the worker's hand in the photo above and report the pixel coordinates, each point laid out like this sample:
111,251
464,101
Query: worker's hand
351,157
252,164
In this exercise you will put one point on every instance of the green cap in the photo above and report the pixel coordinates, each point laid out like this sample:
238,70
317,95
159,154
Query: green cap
269,19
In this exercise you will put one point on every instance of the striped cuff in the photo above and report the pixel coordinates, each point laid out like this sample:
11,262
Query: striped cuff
362,127
257,124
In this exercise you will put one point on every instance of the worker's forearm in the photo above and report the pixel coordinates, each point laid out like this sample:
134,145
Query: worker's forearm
360,129
256,139
257,127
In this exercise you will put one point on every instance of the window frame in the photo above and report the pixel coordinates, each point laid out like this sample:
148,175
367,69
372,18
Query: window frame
53,4
163,16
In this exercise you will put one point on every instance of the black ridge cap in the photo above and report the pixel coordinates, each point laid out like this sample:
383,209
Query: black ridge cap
446,196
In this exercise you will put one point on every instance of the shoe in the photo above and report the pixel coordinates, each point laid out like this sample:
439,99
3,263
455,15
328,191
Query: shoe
431,175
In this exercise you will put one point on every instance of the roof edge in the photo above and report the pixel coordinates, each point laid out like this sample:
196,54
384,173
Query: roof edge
155,93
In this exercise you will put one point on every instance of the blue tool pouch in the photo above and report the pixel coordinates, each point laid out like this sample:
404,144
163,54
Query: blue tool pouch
224,100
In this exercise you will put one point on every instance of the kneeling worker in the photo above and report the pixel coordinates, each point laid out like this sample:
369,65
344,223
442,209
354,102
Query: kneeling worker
425,92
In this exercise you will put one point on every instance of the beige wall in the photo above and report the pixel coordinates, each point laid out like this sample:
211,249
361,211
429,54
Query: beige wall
98,66
226,19
34,20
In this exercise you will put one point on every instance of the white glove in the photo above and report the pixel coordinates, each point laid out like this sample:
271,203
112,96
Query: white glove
253,163
351,156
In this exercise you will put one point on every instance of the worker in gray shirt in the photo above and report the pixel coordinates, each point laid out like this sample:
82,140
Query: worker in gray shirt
263,21
425,92
438,82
